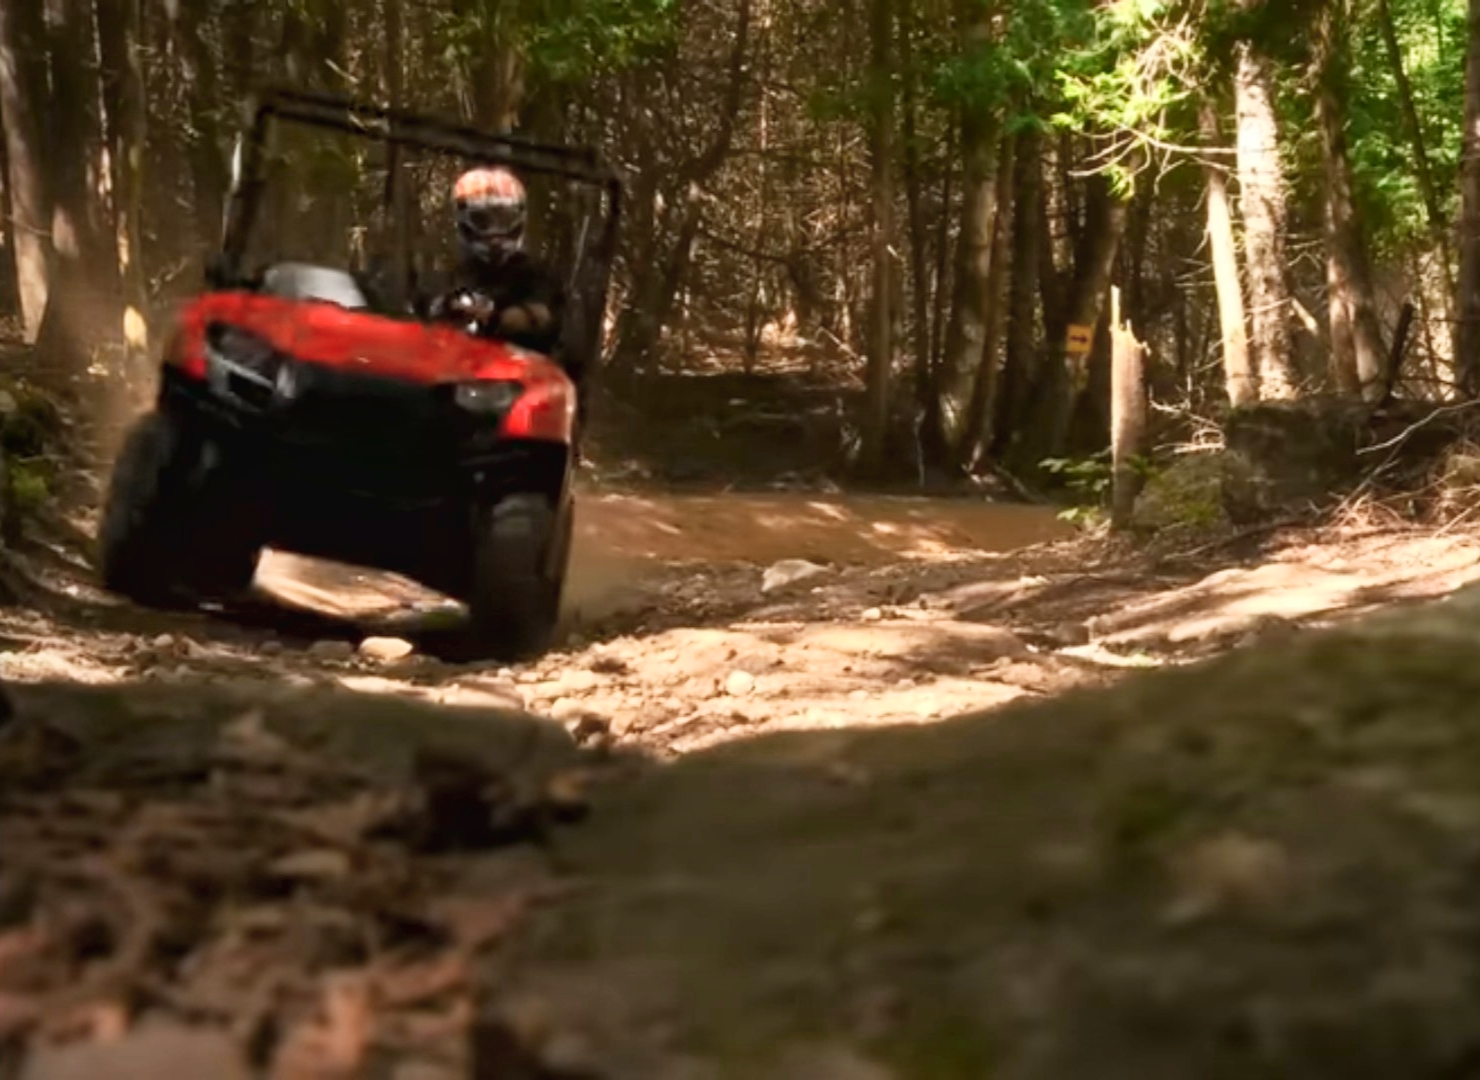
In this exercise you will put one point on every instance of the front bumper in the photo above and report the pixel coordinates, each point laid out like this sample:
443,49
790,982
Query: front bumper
300,425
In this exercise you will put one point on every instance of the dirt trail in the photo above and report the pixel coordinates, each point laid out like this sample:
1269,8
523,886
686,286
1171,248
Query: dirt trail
256,827
622,540
914,611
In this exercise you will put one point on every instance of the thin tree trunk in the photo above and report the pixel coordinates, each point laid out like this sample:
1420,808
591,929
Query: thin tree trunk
1027,258
238,25
1358,357
1127,416
398,186
1422,168
86,313
21,42
657,289
984,390
966,334
1238,373
1262,183
881,323
1066,373
206,155
1467,328
914,198
119,27
941,247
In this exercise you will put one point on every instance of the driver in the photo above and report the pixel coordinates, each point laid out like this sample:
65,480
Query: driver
515,296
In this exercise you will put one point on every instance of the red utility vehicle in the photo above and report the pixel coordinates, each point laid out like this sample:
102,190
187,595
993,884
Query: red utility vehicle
307,403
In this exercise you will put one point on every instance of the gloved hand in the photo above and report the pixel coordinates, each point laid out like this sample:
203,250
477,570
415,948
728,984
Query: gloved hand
472,305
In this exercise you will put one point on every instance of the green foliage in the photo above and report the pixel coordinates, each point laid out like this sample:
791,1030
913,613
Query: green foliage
30,486
1089,480
562,40
1432,38
574,38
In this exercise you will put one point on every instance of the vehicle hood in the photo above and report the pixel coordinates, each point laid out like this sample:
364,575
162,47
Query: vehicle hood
366,343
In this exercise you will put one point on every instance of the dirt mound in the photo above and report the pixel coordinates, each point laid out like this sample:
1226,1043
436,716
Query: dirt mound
1261,867
290,869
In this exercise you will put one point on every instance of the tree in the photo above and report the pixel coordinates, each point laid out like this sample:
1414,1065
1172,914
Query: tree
1262,201
1467,333
966,334
1238,373
881,160
21,88
84,313
1357,354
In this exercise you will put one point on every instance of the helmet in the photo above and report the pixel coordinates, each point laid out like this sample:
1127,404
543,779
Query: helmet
490,204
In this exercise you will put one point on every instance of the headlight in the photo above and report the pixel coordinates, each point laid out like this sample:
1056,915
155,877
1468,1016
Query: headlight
488,396
242,350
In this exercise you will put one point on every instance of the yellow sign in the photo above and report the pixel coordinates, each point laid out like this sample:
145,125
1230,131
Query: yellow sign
1080,340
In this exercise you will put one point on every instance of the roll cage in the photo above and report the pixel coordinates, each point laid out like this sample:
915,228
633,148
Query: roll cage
589,279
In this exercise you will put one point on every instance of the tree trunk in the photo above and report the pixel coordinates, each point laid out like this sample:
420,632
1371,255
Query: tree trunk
1467,329
966,334
1357,354
398,194
1127,417
648,313
1022,290
914,202
86,313
984,390
21,43
1262,183
119,28
1422,169
238,26
1071,337
1238,372
941,249
881,323
208,172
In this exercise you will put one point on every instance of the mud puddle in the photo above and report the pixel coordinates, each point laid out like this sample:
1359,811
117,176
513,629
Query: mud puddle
622,541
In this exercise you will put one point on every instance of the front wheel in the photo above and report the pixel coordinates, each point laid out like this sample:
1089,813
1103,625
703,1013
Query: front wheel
171,531
522,549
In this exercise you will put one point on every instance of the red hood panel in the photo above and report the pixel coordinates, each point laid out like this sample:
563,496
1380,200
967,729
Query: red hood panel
372,344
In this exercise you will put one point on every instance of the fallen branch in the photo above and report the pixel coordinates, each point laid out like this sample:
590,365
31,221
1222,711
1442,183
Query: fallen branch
1414,428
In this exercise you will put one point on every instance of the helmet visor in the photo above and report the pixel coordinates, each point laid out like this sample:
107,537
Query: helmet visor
491,218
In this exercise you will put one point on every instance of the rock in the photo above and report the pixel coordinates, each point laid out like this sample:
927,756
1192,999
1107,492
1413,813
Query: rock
386,650
1188,493
145,1054
789,572
315,864
331,650
1069,635
739,683
589,728
567,710
270,647
1283,455
163,642
579,681
873,614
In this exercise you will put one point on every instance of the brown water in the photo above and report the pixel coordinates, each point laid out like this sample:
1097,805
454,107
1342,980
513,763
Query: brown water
619,538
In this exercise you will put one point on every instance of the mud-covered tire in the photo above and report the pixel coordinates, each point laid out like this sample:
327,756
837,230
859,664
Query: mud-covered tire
169,535
521,551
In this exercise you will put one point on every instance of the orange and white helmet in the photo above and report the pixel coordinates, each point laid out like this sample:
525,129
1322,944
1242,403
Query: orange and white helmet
491,209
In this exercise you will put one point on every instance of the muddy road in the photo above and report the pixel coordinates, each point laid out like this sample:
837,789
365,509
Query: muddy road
247,844
698,619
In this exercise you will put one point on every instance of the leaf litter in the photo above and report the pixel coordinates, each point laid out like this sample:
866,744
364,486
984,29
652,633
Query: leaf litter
318,921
